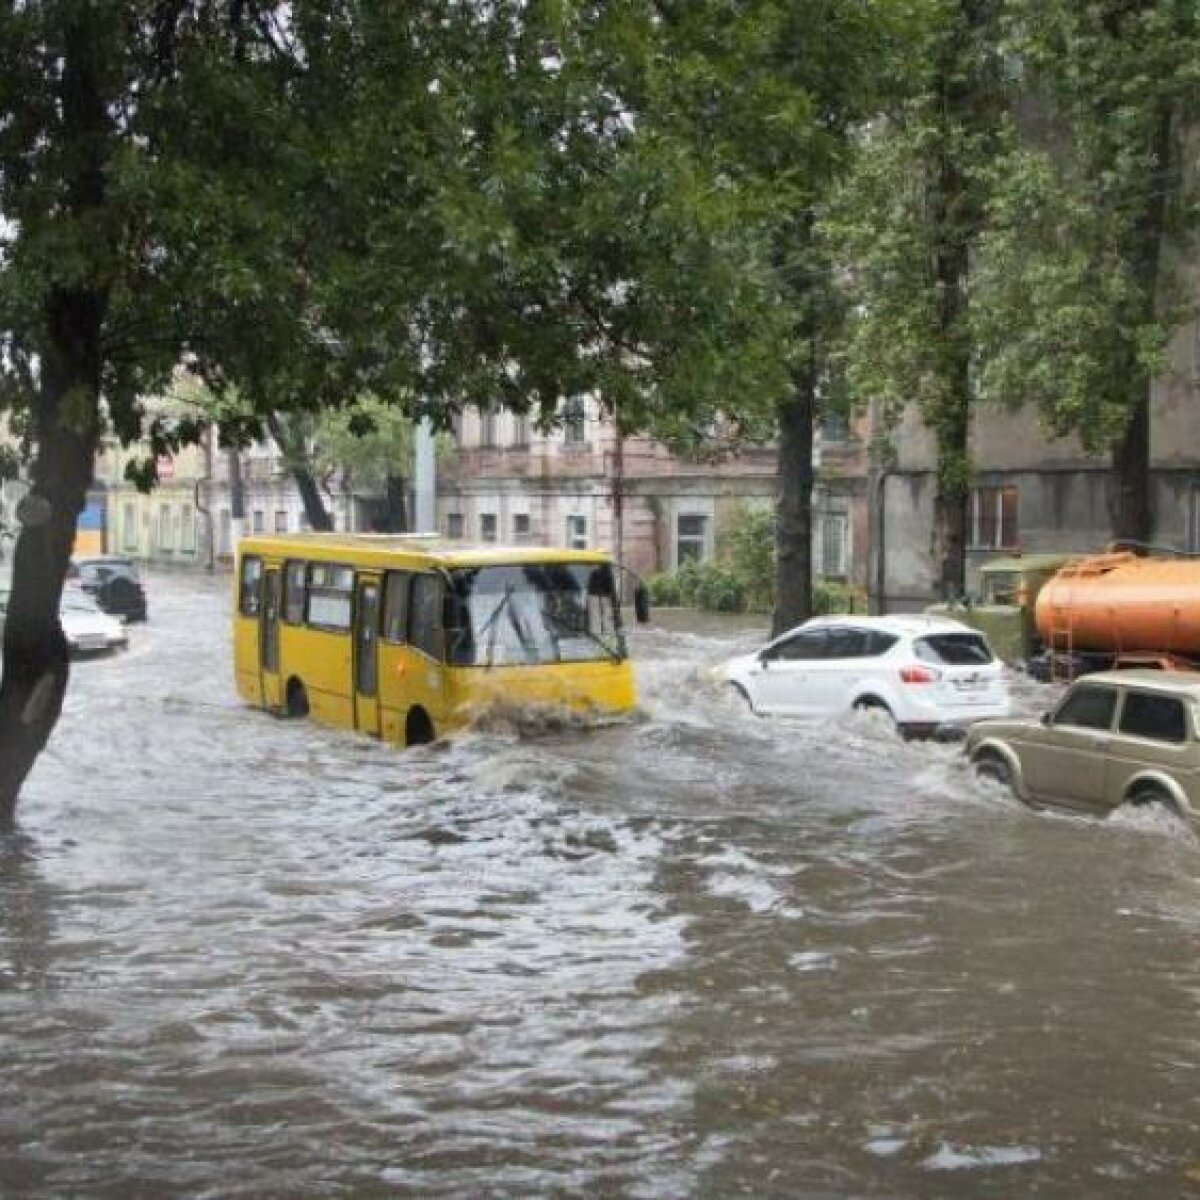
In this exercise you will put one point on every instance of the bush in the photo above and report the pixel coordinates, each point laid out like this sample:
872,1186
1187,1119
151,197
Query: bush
830,597
750,550
664,589
718,589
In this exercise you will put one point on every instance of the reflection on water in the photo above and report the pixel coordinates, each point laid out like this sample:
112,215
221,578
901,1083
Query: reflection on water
691,953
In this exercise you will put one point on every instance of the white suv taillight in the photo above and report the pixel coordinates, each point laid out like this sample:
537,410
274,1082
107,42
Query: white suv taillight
919,674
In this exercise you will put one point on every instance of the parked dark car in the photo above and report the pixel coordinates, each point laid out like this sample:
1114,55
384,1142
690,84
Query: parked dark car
114,582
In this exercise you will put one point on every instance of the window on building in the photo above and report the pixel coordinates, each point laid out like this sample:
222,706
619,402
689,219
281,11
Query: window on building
1193,534
129,537
577,532
281,521
487,527
487,427
520,435
691,538
454,525
187,530
522,528
831,539
456,427
258,521
166,540
835,427
225,532
574,421
993,518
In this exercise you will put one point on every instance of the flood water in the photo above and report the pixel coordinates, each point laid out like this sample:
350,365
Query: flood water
694,954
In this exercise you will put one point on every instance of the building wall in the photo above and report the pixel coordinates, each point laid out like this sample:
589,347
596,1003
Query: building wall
1061,493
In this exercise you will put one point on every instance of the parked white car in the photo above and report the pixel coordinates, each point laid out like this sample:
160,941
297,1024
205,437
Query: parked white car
88,629
928,673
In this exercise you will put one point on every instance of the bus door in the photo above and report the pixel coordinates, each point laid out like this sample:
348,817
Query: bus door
366,656
268,640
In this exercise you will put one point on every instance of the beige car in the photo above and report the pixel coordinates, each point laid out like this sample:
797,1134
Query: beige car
1116,737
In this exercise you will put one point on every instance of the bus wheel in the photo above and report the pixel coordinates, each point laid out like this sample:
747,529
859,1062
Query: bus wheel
296,704
418,729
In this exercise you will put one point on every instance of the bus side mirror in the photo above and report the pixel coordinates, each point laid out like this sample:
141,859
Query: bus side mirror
641,604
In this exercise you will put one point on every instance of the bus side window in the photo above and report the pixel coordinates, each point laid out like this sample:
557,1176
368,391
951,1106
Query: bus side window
294,593
395,606
250,587
425,615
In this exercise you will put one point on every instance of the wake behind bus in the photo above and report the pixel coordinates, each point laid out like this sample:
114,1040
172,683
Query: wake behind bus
408,637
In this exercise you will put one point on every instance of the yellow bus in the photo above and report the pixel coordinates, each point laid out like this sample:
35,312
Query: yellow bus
406,637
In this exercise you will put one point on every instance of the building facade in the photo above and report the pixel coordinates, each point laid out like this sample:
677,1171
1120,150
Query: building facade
581,485
1033,493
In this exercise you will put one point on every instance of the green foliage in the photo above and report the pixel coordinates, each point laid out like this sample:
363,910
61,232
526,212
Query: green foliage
749,549
832,597
1077,300
663,589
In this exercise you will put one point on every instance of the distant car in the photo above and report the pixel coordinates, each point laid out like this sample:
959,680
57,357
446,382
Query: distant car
1116,737
114,581
88,629
928,673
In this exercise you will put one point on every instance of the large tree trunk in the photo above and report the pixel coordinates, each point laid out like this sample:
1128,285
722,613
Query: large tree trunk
295,455
1130,507
397,504
956,222
35,649
66,432
793,522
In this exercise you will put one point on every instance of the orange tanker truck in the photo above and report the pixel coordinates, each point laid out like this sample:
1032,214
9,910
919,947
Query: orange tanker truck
1121,609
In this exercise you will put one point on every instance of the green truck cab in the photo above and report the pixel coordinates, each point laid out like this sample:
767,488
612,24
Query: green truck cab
1004,610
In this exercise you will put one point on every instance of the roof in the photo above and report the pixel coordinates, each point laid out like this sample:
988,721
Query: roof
378,546
1172,681
897,622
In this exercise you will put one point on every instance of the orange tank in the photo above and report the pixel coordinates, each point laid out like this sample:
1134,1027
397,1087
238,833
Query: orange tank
1119,603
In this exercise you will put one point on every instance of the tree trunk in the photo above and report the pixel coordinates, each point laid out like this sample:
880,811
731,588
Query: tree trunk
65,415
314,505
35,650
956,222
294,454
793,523
397,504
1130,507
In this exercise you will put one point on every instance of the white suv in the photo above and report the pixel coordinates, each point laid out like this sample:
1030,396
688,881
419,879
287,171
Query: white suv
928,673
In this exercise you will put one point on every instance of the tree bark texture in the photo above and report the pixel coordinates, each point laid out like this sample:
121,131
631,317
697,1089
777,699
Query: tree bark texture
955,221
1130,505
65,418
35,650
793,524
295,455
397,504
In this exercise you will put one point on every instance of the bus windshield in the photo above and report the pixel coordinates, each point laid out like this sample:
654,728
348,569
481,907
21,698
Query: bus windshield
533,613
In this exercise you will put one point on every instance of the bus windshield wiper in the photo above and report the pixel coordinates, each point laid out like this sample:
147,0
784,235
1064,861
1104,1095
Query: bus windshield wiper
575,631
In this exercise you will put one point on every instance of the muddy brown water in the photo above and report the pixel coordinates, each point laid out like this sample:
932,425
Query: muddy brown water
693,954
